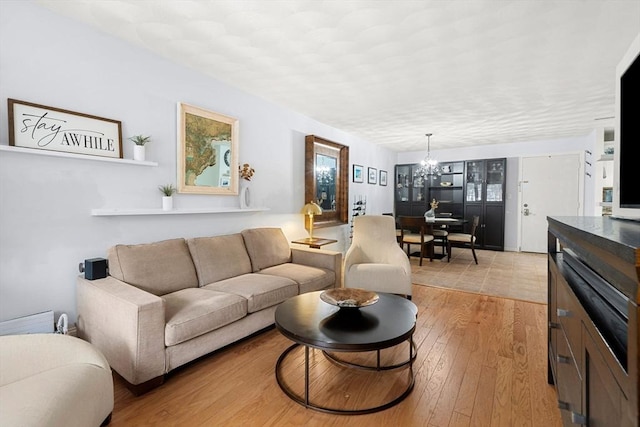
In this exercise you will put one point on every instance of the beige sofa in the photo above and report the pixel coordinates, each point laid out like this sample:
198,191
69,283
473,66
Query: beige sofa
53,380
167,303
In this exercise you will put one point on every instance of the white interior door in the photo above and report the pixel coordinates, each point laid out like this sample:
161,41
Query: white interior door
550,186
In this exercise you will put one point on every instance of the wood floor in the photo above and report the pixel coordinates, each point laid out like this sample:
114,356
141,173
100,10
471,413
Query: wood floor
481,362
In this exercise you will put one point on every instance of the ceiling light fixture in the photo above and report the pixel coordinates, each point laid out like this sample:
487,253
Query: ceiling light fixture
428,166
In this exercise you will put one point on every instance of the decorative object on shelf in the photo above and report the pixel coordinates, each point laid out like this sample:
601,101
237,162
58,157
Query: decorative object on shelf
204,138
246,172
139,148
167,198
358,173
430,215
383,178
428,166
349,297
607,194
47,128
446,184
373,175
310,210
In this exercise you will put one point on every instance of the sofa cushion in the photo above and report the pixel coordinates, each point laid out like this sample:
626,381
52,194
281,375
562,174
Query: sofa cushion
195,311
220,257
309,279
266,247
260,290
159,268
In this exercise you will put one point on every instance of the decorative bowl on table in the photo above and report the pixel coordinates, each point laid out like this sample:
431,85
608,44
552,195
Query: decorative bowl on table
349,297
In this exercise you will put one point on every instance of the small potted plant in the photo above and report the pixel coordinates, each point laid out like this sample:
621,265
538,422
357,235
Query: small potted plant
138,149
167,199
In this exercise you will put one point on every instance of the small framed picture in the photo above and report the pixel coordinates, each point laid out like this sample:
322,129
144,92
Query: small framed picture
607,194
358,173
383,178
373,176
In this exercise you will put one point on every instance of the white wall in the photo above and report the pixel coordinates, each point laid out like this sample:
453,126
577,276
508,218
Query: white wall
45,202
513,152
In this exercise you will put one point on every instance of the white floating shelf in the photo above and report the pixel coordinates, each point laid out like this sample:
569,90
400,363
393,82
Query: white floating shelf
605,157
191,211
605,204
51,153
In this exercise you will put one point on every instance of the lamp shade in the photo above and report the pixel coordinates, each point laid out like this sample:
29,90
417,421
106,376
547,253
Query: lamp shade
311,208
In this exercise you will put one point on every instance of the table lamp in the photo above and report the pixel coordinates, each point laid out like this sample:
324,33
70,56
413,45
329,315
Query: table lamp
311,209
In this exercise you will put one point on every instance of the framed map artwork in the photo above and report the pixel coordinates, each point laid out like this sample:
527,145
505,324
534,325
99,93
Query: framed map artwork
207,152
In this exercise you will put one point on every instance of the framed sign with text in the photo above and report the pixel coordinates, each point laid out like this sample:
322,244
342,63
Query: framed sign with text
47,128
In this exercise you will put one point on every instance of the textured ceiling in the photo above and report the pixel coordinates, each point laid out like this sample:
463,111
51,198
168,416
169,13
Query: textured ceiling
470,72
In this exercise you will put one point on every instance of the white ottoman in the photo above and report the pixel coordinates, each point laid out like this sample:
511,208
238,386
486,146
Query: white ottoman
53,380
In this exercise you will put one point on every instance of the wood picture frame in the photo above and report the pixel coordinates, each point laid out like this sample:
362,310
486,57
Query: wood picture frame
358,173
48,128
334,207
372,175
383,178
207,152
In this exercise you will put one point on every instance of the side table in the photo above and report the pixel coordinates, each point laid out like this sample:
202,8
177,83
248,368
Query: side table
314,242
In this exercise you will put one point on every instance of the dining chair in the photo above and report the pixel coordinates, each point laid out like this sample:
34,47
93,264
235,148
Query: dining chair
464,240
418,235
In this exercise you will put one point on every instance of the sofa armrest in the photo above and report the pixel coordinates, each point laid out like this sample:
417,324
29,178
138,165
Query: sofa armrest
127,324
320,258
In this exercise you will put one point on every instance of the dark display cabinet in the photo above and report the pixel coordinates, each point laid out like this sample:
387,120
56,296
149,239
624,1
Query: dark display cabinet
484,194
448,189
411,191
463,189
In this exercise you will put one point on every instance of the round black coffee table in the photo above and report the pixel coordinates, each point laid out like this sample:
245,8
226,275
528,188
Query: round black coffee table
307,320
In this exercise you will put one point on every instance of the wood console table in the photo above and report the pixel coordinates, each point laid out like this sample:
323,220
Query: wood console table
594,275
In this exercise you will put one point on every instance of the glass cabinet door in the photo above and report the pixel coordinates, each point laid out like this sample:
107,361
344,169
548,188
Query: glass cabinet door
495,180
419,185
475,179
403,182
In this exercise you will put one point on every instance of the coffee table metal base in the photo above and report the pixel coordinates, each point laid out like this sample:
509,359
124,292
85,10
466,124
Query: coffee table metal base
304,400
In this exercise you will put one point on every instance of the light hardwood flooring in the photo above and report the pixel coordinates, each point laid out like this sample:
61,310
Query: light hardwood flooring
518,275
481,361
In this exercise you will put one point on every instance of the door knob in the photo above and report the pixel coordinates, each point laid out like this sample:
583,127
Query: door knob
525,212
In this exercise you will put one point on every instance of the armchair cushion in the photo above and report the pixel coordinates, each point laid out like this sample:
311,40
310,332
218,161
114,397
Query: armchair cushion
195,311
158,268
218,258
260,290
266,247
381,277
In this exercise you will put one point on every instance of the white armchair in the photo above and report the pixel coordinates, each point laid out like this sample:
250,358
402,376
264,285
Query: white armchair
375,261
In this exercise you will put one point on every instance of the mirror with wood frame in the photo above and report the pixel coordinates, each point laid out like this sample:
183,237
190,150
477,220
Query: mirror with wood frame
326,180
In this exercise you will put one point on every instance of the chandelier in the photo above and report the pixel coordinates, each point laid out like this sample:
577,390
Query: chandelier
428,166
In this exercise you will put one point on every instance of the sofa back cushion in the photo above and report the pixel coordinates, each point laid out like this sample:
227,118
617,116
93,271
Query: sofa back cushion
266,247
159,268
218,258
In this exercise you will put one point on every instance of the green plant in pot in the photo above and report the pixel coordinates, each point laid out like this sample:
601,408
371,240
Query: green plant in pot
139,149
167,200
